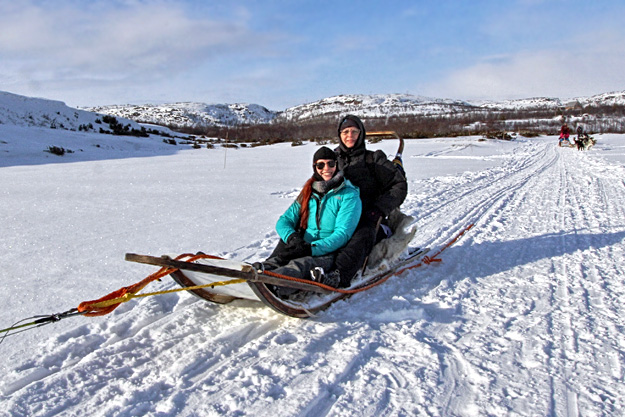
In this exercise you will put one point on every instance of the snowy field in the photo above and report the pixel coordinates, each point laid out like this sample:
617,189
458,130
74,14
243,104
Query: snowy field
524,317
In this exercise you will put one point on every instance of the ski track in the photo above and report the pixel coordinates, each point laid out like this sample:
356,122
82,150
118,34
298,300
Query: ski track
483,333
566,315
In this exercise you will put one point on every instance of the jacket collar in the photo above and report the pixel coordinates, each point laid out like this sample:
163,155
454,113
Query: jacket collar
322,187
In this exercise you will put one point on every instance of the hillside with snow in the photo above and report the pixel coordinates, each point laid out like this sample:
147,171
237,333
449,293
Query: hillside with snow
377,105
192,114
538,114
366,106
29,111
34,129
523,316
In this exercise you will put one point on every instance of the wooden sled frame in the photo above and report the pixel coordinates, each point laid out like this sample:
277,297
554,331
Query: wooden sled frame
259,285
257,282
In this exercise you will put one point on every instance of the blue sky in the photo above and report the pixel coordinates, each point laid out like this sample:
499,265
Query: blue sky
284,53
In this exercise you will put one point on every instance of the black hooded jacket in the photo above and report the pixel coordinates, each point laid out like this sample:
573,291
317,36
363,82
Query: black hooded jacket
382,186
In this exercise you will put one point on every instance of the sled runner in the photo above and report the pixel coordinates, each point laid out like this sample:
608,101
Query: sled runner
258,286
208,273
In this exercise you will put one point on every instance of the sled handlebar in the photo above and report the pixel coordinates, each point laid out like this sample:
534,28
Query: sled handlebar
400,149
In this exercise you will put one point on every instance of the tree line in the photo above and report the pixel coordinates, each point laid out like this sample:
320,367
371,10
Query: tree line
490,123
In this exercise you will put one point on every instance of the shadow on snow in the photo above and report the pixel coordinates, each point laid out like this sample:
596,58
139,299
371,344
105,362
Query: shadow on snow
488,258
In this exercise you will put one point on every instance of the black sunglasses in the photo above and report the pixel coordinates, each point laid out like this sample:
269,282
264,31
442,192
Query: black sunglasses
321,165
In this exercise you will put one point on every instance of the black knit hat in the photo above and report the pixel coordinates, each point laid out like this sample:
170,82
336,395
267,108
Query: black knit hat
348,123
324,153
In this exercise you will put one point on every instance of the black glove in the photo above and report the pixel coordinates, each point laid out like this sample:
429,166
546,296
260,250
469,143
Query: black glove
373,216
296,247
294,240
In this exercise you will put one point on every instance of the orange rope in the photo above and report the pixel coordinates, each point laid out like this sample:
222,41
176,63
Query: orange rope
89,308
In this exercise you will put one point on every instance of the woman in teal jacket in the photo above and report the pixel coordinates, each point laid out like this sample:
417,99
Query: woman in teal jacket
319,222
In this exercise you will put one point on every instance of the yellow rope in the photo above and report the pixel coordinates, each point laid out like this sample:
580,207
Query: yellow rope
129,296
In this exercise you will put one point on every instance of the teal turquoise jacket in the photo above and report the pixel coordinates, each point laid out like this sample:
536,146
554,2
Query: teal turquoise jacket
332,221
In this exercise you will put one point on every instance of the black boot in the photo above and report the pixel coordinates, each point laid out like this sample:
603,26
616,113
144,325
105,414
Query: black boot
331,279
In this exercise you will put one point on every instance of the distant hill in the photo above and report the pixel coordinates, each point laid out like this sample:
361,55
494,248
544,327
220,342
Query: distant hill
537,103
29,111
366,106
192,114
375,106
38,112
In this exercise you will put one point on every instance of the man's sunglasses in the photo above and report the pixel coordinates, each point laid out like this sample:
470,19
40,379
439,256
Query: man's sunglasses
321,165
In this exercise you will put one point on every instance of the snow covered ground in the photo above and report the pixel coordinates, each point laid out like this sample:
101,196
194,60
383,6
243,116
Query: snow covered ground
525,315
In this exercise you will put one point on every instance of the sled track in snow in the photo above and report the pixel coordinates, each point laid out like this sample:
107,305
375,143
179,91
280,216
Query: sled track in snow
554,312
453,205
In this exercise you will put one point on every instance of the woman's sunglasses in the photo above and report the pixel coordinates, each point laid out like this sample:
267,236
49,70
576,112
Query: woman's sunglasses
321,165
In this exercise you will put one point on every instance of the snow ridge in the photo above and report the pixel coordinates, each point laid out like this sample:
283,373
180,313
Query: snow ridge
366,106
377,105
192,114
38,112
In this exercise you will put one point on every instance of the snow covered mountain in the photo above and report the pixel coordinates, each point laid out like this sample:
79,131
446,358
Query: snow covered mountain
377,105
374,106
546,103
192,114
535,103
616,98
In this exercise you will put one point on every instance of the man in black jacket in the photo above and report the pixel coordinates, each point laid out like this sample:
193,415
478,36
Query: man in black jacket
383,188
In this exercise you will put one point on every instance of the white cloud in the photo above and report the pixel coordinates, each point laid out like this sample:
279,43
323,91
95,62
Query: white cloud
109,40
582,67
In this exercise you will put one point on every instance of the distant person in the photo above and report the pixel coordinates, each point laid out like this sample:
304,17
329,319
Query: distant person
581,137
583,141
565,132
383,188
319,222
